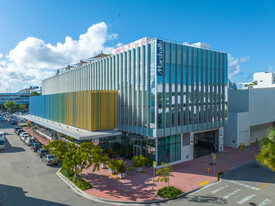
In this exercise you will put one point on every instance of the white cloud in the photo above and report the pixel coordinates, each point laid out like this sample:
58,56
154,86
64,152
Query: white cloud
1,55
270,69
234,65
33,60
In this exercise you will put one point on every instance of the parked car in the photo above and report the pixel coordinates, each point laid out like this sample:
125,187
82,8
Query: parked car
50,159
35,147
16,129
24,137
13,122
23,133
29,141
19,131
42,152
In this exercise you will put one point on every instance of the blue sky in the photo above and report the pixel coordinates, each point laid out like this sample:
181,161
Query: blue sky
245,29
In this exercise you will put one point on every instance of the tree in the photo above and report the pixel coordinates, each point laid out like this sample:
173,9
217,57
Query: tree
22,107
165,173
9,105
266,156
76,158
35,94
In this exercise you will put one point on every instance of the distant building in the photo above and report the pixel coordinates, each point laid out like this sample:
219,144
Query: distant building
31,89
244,85
18,98
264,79
250,114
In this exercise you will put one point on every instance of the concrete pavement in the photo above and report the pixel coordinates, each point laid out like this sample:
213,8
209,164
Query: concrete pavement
26,180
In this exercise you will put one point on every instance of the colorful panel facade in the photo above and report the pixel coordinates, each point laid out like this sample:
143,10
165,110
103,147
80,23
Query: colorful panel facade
90,110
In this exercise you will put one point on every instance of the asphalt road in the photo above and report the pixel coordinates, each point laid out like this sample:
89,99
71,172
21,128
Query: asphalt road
26,180
250,185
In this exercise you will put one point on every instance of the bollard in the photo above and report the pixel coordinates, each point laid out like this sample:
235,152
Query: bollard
250,143
208,170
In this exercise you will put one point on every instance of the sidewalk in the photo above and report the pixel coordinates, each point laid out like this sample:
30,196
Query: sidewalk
40,138
187,176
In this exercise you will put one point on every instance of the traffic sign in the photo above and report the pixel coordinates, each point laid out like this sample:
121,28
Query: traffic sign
214,156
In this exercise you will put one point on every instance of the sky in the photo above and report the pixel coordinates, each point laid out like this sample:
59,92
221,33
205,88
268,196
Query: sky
39,36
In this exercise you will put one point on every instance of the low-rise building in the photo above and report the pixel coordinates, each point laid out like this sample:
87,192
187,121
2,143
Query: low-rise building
264,79
250,114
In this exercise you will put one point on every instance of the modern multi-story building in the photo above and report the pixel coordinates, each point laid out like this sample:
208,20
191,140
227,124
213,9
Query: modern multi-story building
172,97
18,98
31,89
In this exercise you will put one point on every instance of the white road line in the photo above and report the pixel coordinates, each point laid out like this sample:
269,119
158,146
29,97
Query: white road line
244,185
219,189
265,202
232,193
246,199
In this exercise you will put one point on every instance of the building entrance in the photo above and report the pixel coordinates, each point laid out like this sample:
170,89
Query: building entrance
205,143
137,150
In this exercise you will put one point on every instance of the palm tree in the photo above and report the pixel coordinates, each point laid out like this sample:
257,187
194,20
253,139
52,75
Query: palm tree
266,156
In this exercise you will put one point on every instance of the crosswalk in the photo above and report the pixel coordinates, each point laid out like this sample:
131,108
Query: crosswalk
240,195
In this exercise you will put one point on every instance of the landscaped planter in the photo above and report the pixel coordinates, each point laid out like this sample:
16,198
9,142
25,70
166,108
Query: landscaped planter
103,165
121,175
139,169
112,171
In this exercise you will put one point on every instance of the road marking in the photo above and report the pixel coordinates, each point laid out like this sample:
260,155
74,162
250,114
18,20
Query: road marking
267,183
219,189
203,183
244,185
265,202
232,193
246,199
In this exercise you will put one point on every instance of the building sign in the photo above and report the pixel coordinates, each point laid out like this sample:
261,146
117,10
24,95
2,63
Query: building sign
159,57
135,44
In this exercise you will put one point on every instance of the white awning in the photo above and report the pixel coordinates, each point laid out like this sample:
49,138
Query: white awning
76,133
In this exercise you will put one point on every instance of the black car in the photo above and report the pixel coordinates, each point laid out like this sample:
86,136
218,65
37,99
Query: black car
35,147
16,129
42,152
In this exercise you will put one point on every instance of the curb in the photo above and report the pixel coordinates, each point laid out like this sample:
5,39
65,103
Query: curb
117,202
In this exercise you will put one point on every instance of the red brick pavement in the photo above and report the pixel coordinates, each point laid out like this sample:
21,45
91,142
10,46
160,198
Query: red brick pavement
43,140
187,176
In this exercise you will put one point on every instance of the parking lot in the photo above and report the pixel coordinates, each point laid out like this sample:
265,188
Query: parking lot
26,180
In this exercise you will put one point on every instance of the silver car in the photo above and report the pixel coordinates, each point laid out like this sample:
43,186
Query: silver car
50,159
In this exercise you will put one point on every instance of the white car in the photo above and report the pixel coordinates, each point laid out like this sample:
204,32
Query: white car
24,137
29,141
23,133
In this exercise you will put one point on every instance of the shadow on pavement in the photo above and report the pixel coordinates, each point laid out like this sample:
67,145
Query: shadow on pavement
10,195
11,149
252,172
207,199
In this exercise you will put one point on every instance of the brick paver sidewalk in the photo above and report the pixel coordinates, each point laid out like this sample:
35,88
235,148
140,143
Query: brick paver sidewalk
42,140
187,176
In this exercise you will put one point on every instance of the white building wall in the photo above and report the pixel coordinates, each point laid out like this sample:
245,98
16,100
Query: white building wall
264,79
261,110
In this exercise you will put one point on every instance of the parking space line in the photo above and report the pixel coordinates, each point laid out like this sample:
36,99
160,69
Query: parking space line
246,199
219,189
265,202
266,183
232,193
244,185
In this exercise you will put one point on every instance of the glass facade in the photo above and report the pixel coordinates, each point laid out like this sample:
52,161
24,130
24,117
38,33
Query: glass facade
165,89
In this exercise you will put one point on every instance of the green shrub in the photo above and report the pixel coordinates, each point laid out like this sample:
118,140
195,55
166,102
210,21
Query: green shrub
140,161
169,192
79,182
67,173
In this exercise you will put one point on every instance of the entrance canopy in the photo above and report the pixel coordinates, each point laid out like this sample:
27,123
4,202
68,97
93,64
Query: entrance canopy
76,133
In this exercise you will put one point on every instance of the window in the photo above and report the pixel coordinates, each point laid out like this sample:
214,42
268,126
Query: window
169,149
